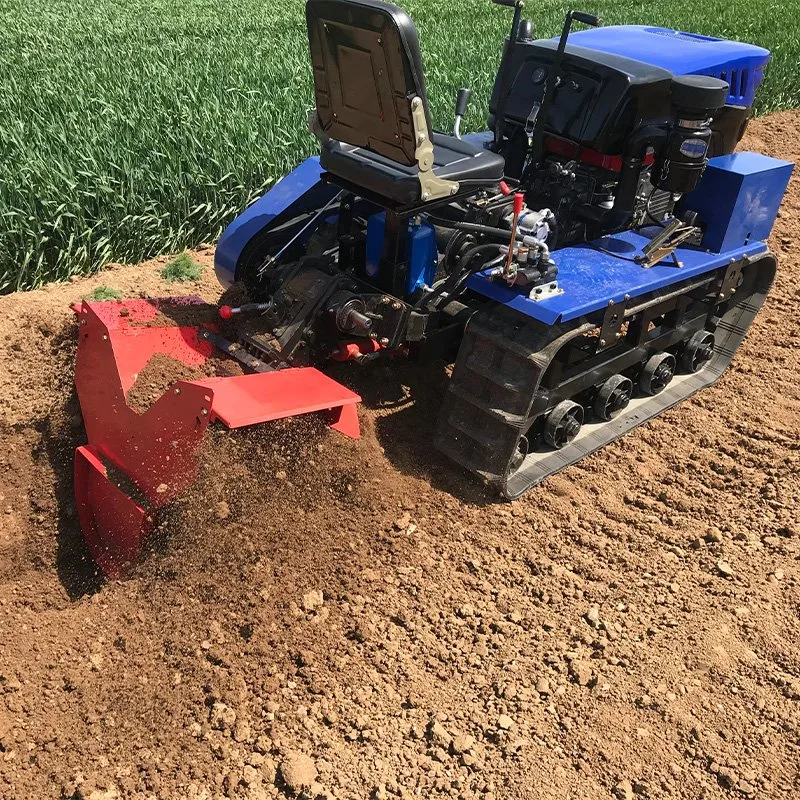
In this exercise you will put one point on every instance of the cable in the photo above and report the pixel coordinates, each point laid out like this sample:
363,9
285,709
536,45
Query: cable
487,230
272,259
472,227
613,254
610,252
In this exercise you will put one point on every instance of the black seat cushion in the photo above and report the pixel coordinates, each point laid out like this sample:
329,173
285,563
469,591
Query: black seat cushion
454,160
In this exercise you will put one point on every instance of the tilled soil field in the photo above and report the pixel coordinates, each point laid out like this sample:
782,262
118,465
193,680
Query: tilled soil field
328,618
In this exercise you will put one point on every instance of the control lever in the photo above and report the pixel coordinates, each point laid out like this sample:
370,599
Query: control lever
505,67
586,19
665,242
462,99
554,77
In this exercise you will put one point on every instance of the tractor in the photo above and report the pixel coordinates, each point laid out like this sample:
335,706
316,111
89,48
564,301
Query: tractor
592,258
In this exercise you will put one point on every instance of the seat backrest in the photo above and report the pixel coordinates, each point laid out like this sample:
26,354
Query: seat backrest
367,67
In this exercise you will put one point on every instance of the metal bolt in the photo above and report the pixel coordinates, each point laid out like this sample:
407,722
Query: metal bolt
610,303
205,412
454,189
416,103
383,342
397,306
177,391
105,337
602,343
426,195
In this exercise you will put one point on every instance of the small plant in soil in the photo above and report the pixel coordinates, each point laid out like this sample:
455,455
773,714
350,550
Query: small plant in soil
183,268
104,293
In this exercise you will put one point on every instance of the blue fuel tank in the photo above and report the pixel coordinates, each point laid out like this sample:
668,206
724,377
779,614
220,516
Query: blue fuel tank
422,253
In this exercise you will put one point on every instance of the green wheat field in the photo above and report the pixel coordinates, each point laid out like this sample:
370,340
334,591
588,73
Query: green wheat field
133,129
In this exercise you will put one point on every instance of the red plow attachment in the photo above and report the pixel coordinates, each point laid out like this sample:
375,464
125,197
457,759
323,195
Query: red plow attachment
135,463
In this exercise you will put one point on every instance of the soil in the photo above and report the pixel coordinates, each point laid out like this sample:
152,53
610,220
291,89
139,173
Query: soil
352,619
161,371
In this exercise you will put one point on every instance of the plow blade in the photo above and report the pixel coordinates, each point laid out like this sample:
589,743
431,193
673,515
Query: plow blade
114,525
136,462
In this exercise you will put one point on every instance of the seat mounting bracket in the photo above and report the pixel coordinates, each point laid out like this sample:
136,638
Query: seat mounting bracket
431,186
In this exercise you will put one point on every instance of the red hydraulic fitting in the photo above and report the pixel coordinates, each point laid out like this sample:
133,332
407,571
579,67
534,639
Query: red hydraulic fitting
355,351
226,312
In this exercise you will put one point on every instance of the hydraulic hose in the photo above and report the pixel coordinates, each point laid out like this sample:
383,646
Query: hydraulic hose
462,271
486,230
472,227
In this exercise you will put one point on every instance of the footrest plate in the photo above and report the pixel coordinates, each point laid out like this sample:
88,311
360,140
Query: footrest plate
261,397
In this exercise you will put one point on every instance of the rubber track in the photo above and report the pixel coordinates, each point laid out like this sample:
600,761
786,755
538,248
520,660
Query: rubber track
503,357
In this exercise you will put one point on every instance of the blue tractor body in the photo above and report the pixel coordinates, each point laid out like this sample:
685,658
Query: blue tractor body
601,239
739,196
741,65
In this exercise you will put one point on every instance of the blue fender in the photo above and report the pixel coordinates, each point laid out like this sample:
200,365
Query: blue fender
300,191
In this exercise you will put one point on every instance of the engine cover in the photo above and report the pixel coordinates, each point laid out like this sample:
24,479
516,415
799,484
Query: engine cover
741,65
615,77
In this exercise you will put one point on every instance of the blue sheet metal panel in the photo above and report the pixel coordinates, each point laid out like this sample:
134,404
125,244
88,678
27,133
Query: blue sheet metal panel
684,54
591,278
300,190
738,198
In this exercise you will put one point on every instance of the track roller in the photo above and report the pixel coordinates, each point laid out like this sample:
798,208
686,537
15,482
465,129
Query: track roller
657,373
562,424
613,396
699,350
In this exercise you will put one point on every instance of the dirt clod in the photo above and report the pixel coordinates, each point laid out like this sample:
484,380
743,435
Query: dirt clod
298,771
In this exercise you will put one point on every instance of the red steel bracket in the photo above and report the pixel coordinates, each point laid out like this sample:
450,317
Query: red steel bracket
157,449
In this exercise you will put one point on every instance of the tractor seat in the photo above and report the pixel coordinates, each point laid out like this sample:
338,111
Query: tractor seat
371,114
454,159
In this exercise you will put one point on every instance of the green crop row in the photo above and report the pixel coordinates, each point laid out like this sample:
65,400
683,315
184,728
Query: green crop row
133,129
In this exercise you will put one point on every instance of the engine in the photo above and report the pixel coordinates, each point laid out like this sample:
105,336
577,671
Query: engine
608,141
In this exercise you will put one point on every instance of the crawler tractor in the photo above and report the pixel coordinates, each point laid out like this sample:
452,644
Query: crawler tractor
591,259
